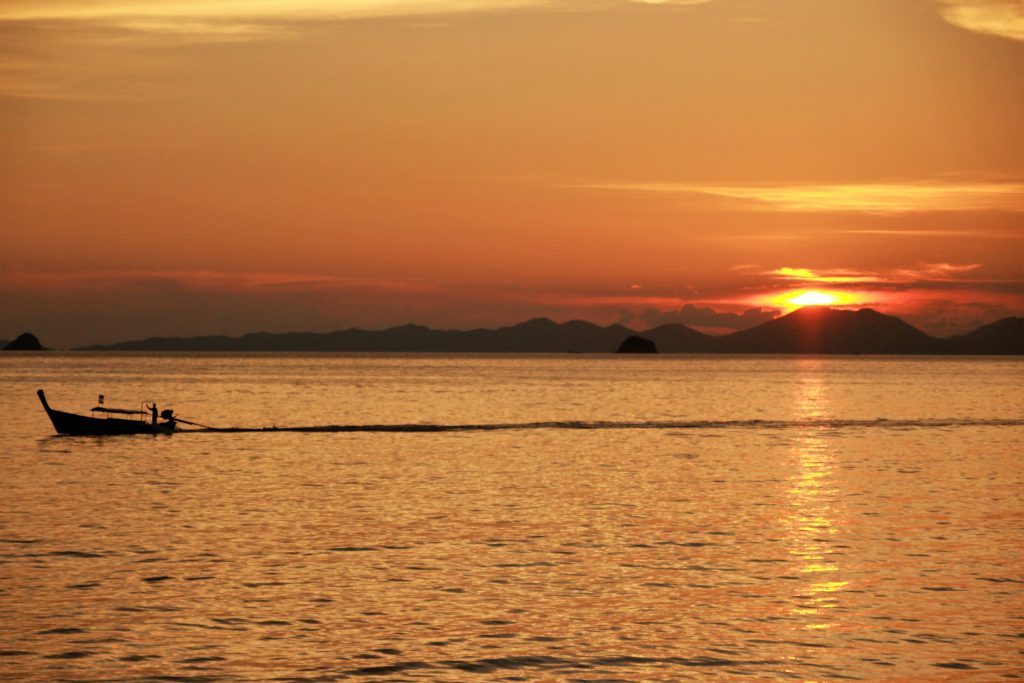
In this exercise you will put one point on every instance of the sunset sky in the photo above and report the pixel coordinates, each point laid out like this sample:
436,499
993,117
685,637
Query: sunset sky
182,167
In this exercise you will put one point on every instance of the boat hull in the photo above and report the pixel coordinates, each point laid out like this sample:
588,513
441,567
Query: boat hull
83,425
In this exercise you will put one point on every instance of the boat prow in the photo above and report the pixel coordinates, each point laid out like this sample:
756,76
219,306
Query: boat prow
85,425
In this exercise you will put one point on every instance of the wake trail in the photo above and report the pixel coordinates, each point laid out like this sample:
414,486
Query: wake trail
824,424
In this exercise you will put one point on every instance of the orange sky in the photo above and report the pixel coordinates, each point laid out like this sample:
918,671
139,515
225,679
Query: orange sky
177,167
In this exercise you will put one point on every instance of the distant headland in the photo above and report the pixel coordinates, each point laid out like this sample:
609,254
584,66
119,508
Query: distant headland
23,342
810,330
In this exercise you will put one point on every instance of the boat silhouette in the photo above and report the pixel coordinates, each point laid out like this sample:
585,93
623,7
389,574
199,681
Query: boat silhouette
141,422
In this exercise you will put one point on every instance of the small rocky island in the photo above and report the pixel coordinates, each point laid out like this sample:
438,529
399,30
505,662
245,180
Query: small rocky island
636,344
25,342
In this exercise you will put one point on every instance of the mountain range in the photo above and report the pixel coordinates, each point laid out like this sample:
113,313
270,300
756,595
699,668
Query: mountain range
810,330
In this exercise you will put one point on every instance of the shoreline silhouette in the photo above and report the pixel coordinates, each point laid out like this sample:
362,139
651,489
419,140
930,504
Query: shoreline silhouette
809,330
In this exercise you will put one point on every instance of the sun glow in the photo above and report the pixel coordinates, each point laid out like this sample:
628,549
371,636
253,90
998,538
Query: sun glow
813,299
792,299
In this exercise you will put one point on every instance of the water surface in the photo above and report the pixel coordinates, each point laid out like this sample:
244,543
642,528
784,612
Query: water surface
646,519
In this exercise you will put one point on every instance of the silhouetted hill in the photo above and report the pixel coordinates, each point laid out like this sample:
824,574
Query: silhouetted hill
676,338
539,335
1003,337
24,342
816,329
808,330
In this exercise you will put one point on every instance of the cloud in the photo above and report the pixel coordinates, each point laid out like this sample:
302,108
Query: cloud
934,272
832,277
941,298
947,317
196,30
223,21
205,281
707,317
1003,18
104,10
670,2
883,198
78,308
22,78
973,234
900,289
224,15
917,274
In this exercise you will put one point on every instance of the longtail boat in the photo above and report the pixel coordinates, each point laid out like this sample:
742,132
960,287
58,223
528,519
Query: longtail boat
142,421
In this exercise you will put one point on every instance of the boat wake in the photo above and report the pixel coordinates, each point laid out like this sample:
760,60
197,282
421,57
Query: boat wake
831,424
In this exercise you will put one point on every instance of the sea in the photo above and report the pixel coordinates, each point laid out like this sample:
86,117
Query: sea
515,518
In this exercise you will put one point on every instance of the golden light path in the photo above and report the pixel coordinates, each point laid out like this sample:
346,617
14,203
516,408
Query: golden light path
813,520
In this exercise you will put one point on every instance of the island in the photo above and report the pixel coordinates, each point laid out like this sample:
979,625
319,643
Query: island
24,342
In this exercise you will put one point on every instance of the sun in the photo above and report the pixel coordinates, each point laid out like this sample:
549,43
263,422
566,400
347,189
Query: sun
812,298
791,299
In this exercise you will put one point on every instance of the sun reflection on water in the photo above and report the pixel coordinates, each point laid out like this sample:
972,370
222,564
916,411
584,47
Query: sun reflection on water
812,520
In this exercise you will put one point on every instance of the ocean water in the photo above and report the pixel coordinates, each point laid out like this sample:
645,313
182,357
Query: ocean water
573,518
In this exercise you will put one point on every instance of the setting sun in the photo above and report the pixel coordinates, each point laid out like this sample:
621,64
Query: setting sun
789,300
813,299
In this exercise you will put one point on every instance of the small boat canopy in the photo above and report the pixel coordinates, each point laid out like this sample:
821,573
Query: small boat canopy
120,411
